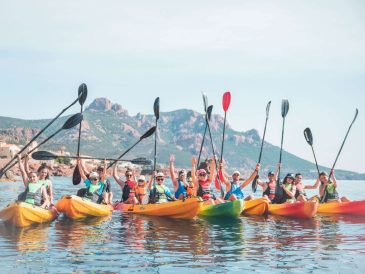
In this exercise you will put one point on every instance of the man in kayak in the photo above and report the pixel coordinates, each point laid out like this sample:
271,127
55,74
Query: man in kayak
128,187
180,184
234,188
95,185
328,189
269,188
35,192
300,194
159,193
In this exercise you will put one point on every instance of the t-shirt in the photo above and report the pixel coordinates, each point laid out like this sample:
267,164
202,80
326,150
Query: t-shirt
101,183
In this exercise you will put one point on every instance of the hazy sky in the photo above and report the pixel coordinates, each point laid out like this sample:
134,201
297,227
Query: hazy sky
310,52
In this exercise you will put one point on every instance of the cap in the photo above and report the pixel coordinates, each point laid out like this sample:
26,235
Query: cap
290,175
93,175
236,172
271,173
160,174
182,172
200,171
142,178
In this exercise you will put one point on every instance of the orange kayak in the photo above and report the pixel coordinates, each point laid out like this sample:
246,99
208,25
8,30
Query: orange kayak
297,210
256,207
187,209
348,208
76,207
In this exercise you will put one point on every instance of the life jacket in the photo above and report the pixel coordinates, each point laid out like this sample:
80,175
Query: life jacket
158,195
128,190
236,190
270,191
331,192
141,190
92,192
204,190
33,194
180,190
286,197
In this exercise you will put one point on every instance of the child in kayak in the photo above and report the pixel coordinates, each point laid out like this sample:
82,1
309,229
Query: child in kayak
35,192
190,191
141,189
128,187
234,188
159,193
300,194
328,189
180,184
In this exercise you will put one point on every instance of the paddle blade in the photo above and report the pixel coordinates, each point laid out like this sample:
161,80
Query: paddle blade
141,161
356,113
76,177
43,155
209,112
284,108
254,184
148,133
268,109
156,108
74,120
205,100
308,136
226,101
83,92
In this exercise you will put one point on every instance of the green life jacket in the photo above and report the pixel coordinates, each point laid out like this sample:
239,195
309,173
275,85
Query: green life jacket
331,192
33,194
92,192
158,195
45,183
286,196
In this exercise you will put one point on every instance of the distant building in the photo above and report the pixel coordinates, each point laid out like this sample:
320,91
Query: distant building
8,151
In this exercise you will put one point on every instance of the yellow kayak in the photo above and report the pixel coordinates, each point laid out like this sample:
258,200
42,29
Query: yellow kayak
76,207
187,209
258,206
23,214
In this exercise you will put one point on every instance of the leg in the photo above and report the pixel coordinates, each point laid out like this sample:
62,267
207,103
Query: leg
345,199
249,198
181,197
110,197
233,197
301,198
106,197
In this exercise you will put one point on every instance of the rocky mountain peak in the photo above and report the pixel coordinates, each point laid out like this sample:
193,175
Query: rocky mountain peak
104,104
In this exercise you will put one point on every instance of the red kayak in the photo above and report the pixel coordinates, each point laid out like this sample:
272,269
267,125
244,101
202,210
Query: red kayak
301,210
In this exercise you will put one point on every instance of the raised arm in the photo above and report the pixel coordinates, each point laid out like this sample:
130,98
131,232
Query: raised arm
172,170
103,176
193,174
23,172
212,170
253,175
116,176
222,175
150,185
315,186
84,168
334,178
26,164
277,171
81,171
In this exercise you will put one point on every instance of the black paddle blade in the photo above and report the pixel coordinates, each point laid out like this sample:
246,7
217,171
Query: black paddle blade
156,108
74,120
83,92
254,184
209,112
205,100
356,113
308,136
76,177
148,133
142,162
284,108
43,155
268,109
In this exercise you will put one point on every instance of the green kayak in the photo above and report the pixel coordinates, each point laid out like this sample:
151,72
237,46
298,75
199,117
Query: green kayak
230,209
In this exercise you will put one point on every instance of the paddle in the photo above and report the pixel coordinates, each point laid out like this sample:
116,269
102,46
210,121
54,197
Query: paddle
71,122
254,182
225,102
284,112
76,176
147,134
156,109
208,113
2,171
309,138
46,156
338,154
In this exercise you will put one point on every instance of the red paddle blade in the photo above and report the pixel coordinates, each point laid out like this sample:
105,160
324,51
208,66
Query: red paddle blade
216,182
226,100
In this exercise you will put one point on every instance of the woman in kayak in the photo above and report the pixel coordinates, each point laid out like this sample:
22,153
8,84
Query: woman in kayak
234,188
95,185
202,184
269,188
328,189
35,192
289,189
128,187
159,193
300,194
180,184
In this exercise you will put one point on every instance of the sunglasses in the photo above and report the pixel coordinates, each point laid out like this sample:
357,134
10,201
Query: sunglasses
128,175
159,179
94,179
202,174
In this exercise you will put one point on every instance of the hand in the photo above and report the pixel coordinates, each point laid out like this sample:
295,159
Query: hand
332,172
220,165
258,165
194,161
172,158
154,174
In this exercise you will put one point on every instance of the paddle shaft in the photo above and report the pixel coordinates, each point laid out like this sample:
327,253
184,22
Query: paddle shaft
155,156
202,145
224,134
129,149
91,158
79,140
281,148
315,159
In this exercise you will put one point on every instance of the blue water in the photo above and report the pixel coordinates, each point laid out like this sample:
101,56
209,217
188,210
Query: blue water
136,244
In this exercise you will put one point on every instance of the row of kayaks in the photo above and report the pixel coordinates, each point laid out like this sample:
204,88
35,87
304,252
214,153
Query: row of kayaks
22,214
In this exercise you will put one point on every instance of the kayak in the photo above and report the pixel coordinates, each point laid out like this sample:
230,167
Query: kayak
296,210
76,207
22,214
256,207
180,209
227,209
348,208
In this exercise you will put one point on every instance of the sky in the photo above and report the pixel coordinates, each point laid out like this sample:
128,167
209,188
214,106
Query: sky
309,52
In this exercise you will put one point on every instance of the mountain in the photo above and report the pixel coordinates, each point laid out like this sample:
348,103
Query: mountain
108,130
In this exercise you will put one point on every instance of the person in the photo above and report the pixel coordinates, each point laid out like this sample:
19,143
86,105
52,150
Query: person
289,189
202,183
328,189
35,192
141,189
101,170
300,194
269,188
159,193
95,185
180,184
128,187
234,188
190,191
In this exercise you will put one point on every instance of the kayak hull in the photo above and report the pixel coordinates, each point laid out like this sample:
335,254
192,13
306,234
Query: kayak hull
76,207
231,209
22,214
180,209
256,207
302,210
346,208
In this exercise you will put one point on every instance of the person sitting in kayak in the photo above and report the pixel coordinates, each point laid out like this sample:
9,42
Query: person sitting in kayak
95,185
269,188
203,183
141,189
35,192
180,184
234,188
190,191
159,193
328,189
289,189
128,187
300,194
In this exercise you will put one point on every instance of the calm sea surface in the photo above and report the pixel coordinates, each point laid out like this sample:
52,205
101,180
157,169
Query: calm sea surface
135,244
